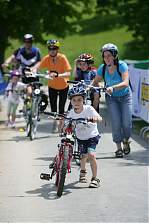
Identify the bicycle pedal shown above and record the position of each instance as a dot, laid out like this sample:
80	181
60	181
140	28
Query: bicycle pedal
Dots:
51	166
45	176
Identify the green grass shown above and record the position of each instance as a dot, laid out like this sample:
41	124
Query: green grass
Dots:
95	30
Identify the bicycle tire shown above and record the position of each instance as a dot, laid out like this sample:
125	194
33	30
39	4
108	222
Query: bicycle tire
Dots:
77	160
62	174
30	133
35	117
28	125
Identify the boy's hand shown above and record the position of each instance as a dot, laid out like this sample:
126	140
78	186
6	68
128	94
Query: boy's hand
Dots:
95	119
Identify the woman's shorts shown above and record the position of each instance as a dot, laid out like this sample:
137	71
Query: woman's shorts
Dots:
89	145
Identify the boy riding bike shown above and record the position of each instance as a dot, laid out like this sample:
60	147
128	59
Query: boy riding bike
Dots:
87	134
83	70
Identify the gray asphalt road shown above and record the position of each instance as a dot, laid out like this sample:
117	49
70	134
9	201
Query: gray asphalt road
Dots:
122	196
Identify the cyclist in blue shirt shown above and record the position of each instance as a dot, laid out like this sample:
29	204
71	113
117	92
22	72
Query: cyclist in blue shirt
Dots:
26	56
83	70
118	97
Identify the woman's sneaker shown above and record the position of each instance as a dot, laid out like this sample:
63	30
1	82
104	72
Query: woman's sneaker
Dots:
126	147
95	183
119	153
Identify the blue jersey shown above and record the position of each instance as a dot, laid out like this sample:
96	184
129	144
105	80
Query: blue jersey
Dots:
87	76
27	58
115	78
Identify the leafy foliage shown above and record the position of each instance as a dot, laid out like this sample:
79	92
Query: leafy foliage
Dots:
134	14
18	17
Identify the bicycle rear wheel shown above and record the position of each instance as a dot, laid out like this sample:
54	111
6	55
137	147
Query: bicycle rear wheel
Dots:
61	175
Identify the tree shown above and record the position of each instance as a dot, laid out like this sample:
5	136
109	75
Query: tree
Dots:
135	16
59	17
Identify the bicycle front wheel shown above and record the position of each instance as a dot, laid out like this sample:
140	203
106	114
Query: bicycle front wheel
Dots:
30	128
61	175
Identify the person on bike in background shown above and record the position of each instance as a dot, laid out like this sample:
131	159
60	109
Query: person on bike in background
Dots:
83	70
119	97
59	69
87	134
24	58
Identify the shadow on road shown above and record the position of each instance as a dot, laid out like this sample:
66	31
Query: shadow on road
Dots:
49	192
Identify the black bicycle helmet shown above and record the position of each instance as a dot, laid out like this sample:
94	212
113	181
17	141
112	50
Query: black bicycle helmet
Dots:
110	47
53	43
77	90
28	38
86	57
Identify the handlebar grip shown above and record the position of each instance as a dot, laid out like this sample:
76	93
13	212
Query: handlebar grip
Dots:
73	82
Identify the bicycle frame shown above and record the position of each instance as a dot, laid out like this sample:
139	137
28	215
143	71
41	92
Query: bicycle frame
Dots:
32	112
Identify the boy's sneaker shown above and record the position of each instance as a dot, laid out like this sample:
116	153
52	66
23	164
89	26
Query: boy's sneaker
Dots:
82	178
95	183
126	147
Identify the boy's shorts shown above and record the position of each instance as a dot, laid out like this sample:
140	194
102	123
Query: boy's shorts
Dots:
89	145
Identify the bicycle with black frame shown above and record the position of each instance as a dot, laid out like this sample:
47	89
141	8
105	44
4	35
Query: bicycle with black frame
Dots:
34	104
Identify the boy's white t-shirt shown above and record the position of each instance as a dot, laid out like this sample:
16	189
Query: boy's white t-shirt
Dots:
14	91
85	131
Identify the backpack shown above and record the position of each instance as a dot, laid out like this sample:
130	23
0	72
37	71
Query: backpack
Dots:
103	74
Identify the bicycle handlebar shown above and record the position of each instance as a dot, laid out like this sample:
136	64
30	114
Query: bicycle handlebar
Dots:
42	75
57	115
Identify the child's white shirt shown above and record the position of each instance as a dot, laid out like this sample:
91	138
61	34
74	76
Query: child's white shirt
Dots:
85	131
14	91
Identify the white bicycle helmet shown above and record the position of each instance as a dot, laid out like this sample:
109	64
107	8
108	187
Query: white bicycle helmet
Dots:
110	47
28	37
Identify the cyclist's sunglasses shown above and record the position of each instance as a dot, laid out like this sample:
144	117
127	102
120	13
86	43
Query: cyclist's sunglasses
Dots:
52	48
28	41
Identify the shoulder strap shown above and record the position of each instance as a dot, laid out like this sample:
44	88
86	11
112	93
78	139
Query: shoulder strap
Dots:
118	69
103	73
121	75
